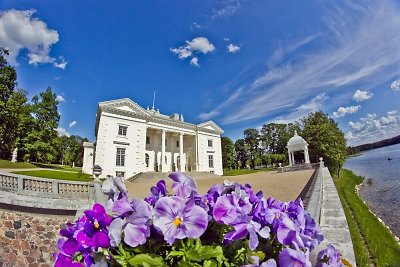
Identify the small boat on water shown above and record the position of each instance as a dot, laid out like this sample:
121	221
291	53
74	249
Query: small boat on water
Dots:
389	158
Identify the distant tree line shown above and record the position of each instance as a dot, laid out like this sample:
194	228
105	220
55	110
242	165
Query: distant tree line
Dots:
267	146
30	126
387	142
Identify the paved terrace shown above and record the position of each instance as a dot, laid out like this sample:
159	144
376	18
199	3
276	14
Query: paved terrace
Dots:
283	186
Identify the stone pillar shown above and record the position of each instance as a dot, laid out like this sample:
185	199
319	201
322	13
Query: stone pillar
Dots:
306	156
181	163
293	161
163	165
290	158
197	152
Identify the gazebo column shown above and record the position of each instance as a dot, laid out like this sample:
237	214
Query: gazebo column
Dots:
290	158
293	161
306	156
163	165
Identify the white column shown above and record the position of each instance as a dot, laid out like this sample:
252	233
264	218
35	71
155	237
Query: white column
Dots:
307	156
293	161
197	152
181	162
163	165
290	158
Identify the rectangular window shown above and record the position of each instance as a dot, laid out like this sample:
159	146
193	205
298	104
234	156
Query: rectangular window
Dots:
210	143
120	161
122	130
120	174
211	161
177	143
147	140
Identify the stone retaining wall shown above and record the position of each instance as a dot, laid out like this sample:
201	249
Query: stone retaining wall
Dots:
29	239
326	208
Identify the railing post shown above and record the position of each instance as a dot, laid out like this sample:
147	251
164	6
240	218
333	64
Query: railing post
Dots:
20	183
54	187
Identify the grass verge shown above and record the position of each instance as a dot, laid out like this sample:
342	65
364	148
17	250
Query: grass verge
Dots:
57	167
71	176
372	241
6	164
235	172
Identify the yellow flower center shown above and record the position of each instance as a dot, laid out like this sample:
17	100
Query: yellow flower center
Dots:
96	224
277	215
177	221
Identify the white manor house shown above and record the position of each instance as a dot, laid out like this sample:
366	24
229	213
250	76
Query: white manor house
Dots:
131	140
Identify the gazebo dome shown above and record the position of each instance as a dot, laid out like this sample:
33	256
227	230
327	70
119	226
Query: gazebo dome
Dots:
297	141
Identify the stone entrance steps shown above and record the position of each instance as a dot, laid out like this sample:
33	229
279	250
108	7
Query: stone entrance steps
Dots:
164	175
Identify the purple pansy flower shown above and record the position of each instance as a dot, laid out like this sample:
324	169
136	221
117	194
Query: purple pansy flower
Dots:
296	258
248	227
178	218
114	188
134	222
329	257
183	186
158	191
256	263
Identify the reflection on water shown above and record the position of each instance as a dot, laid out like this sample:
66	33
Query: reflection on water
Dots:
382	192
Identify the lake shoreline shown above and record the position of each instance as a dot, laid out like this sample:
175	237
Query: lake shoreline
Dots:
372	209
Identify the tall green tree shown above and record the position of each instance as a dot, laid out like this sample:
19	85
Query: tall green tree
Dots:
241	152
12	102
228	152
325	140
252	139
40	143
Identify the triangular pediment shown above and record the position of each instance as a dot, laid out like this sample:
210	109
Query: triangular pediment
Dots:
210	125
125	105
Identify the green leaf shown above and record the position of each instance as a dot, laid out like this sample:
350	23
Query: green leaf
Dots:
210	263
147	260
208	252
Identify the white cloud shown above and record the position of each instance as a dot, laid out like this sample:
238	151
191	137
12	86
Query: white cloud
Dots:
342	111
60	98
373	128
195	26
227	8
360	96
395	86
62	131
232	48
72	124
196	46
359	48
19	30
194	62
303	110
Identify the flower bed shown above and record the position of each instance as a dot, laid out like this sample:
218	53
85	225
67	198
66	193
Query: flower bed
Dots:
231	225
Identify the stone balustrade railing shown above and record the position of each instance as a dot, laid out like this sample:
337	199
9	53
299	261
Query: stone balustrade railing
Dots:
298	167
36	192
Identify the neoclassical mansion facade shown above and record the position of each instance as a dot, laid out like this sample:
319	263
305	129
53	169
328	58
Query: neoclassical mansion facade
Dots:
131	139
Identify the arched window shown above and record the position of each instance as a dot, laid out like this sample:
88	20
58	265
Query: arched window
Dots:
146	159
178	160
166	161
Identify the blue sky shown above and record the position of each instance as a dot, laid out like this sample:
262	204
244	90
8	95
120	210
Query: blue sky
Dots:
238	63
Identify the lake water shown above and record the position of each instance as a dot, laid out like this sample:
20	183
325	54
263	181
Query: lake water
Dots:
383	192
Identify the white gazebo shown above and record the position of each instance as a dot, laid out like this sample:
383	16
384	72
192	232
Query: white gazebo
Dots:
297	143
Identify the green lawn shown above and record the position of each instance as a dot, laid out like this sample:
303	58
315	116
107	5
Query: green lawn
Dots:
378	241
6	164
235	172
71	176
57	167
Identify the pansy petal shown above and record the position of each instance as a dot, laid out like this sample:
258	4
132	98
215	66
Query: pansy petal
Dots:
115	232
121	206
135	235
